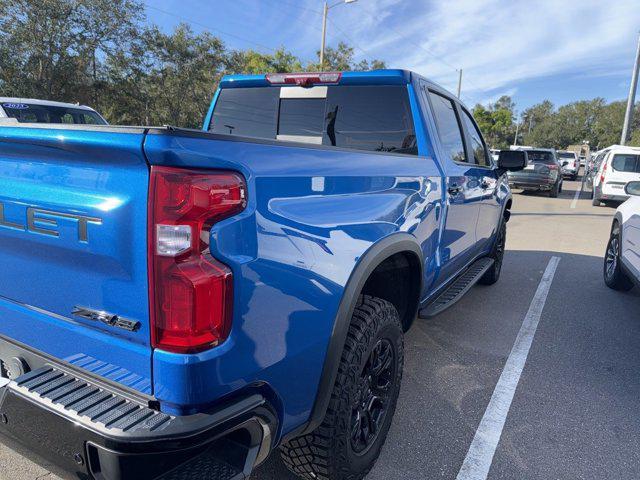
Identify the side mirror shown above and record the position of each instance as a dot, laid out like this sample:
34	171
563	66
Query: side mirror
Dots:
565	163
512	160
632	188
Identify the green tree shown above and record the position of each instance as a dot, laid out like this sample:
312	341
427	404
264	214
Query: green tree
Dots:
497	121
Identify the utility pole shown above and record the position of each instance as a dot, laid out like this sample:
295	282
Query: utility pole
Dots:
515	138
632	98
459	82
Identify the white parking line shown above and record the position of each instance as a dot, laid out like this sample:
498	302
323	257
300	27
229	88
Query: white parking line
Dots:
478	461
577	195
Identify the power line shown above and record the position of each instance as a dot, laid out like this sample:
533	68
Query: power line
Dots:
207	27
351	41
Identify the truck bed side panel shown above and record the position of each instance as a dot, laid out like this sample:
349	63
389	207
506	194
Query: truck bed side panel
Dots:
311	215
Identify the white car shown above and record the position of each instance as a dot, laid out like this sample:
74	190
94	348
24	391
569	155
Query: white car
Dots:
622	259
570	163
618	166
30	110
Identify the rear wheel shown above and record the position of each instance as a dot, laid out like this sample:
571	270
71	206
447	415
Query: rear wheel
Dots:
493	274
614	276
347	443
555	190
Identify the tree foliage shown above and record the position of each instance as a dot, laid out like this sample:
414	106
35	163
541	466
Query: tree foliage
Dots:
542	125
103	53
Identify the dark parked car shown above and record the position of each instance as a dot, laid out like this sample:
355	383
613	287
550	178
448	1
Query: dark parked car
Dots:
543	173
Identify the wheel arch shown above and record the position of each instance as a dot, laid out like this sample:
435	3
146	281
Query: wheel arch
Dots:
396	246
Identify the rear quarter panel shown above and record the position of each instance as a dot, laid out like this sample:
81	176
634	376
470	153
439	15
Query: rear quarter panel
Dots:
312	213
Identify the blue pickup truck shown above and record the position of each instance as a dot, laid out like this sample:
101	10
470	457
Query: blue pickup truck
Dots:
180	303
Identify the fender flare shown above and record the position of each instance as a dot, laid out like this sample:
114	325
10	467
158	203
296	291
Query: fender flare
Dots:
506	215
395	243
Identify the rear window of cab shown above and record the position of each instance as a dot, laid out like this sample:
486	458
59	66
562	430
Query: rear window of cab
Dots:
372	118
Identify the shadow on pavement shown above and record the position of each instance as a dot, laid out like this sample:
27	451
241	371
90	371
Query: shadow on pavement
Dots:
578	397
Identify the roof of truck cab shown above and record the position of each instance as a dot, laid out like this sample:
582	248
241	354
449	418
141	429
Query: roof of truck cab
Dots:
373	77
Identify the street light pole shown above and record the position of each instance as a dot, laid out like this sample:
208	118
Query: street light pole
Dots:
325	13
632	98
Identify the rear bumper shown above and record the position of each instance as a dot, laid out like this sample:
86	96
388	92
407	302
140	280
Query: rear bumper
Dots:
531	181
527	184
91	431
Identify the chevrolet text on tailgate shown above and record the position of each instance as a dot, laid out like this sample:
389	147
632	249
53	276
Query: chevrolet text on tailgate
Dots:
176	300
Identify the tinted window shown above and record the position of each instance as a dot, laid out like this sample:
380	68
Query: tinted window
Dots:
566	155
249	112
374	118
479	151
301	116
626	163
536	156
448	127
32	113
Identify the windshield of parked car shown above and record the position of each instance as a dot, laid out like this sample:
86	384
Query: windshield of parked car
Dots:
537	156
626	163
375	118
34	113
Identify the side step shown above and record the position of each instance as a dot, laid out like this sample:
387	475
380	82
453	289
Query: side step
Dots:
457	289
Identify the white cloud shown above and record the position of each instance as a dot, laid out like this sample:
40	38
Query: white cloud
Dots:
499	44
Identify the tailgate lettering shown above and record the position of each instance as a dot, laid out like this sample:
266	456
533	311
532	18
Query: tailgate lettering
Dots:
45	222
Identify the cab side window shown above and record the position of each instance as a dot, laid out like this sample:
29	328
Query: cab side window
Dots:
480	155
449	131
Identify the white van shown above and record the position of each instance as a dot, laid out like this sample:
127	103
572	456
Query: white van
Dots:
619	166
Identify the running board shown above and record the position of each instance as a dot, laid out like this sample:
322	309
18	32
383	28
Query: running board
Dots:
457	289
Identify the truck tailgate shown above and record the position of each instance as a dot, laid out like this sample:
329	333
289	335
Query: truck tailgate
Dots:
73	248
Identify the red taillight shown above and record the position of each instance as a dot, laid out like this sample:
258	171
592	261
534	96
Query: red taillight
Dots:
303	79
604	170
553	167
190	292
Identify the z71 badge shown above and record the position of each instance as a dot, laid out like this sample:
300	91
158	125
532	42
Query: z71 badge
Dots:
107	318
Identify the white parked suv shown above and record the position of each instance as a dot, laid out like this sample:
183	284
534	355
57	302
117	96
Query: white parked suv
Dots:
622	259
30	110
619	166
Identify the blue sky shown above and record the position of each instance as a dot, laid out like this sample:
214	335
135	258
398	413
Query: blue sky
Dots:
561	50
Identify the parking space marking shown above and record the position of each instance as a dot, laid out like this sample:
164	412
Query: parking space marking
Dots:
577	195
478	461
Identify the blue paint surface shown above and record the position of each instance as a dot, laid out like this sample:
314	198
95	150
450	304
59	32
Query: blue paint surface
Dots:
312	214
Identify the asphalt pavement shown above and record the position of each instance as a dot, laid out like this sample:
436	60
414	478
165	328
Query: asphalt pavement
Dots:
574	414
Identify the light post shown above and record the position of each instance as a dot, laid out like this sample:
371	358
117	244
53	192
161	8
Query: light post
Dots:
325	12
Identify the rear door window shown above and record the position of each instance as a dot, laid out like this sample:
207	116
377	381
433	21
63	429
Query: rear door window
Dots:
373	118
449	131
477	144
626	163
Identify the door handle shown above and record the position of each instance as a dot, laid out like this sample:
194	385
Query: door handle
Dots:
454	189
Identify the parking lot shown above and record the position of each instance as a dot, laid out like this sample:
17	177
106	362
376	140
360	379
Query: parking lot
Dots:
575	411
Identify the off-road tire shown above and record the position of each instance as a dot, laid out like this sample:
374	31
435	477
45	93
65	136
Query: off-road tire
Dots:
492	275
327	452
614	276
